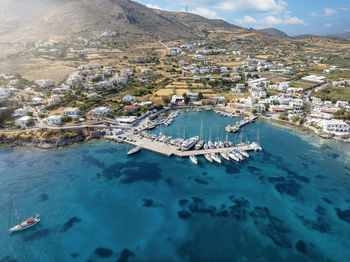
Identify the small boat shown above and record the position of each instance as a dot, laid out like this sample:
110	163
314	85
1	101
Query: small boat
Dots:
32	221
194	160
205	146
208	157
225	156
244	153
233	157
216	158
221	144
199	145
134	150
238	154
211	145
216	144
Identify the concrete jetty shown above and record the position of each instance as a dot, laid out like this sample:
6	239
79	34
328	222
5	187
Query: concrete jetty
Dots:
170	150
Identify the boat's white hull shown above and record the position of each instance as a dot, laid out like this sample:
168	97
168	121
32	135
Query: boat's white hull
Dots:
24	225
216	158
233	157
225	156
194	160
208	157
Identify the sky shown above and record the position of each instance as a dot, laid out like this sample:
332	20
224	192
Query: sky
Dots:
319	17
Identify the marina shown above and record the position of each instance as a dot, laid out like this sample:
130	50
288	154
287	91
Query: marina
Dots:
191	147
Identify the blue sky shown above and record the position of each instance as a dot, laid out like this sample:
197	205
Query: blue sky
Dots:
294	17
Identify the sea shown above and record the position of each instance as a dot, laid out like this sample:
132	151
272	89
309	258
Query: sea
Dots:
289	202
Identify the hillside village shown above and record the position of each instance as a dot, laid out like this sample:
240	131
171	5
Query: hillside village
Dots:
284	80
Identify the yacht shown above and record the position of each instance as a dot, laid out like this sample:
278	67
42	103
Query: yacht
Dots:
221	144
225	156
244	153
194	160
216	158
208	157
238	154
199	145
134	150
32	221
233	156
189	143
216	144
205	146
211	145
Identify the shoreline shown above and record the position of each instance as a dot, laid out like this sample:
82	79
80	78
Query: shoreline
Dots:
65	137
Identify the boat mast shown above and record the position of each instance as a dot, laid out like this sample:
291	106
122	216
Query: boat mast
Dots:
210	135
258	140
201	135
10	215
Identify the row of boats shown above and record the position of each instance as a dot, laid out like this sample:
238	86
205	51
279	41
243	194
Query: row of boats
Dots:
225	114
170	119
235	128
235	155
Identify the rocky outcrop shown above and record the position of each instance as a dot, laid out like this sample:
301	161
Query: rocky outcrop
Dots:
51	140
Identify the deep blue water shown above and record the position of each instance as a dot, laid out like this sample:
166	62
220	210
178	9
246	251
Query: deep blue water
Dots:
290	202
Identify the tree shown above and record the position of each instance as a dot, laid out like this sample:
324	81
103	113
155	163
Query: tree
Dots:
166	99
200	96
66	119
254	111
186	99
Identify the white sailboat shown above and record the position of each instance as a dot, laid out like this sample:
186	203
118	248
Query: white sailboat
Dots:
193	159
208	157
225	156
22	225
244	153
216	158
134	150
233	156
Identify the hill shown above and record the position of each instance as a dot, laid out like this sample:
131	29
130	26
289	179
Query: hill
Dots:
47	19
274	32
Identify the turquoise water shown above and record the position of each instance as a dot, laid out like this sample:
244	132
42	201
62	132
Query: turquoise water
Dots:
290	202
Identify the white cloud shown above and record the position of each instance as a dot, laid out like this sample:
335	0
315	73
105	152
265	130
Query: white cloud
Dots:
155	7
263	6
246	20
206	13
328	25
329	12
271	21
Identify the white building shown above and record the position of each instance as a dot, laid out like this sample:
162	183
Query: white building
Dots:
72	112
22	122
44	82
342	104
37	100
5	92
20	112
177	99
104	111
54	120
334	126
296	104
129	98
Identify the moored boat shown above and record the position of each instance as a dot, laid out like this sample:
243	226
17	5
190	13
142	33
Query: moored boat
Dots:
134	150
225	156
233	156
208	157
193	159
216	158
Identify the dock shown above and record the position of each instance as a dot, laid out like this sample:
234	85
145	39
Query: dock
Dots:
170	150
235	128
